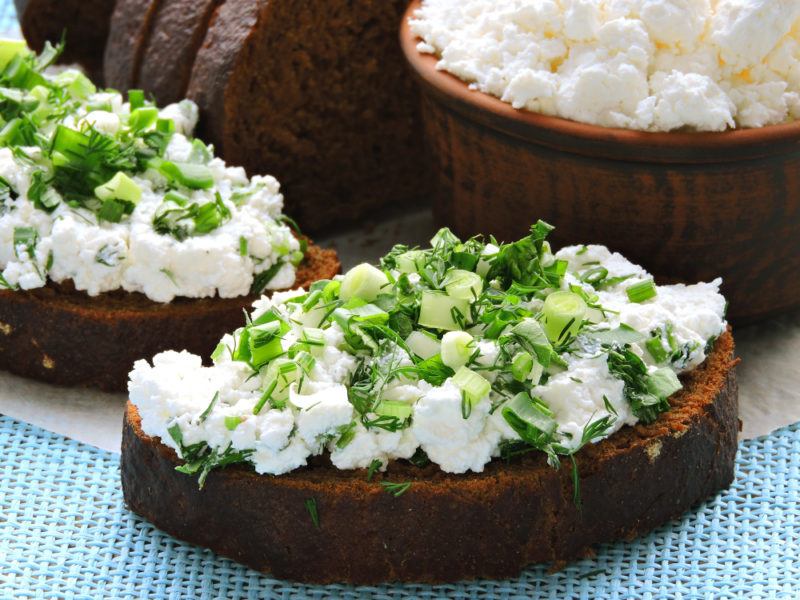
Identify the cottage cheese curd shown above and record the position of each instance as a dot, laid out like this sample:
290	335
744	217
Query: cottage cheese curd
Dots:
321	415
655	65
72	243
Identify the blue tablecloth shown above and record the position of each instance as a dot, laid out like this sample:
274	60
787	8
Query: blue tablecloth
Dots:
65	533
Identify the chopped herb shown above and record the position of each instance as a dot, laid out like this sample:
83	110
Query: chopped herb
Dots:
209	408
396	489
311	507
170	275
373	468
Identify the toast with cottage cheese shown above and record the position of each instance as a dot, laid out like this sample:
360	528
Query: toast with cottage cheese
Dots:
458	411
448	527
62	336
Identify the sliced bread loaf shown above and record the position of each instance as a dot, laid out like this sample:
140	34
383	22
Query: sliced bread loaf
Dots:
129	30
177	31
85	23
448	527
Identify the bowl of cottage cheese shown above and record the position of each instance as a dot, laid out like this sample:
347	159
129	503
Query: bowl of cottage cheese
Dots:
666	128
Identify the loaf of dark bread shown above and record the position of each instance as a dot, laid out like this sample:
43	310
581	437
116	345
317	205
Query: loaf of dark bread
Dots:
316	93
58	335
85	23
129	30
448	527
177	31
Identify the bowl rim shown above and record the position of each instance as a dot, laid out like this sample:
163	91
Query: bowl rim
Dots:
497	111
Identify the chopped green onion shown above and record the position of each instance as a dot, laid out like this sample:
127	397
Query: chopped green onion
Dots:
142	118
530	417
563	315
265	343
363	281
440	311
472	385
457	347
521	366
165	126
232	423
119	187
663	382
644	290
624	334
394	408
463	285
192	176
411	261
423	344
136	99
594	276
529	334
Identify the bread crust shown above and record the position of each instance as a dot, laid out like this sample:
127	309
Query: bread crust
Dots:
448	527
58	335
178	29
130	27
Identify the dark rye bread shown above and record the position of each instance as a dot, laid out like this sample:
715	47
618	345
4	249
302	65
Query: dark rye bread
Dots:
85	22
129	30
57	335
449	527
316	93
177	31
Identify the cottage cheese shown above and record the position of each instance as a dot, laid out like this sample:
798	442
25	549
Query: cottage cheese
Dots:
131	255
175	389
655	65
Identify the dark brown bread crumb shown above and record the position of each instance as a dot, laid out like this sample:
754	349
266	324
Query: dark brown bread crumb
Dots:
448	527
129	30
57	335
85	22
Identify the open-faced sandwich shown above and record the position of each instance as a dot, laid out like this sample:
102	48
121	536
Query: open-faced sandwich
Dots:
120	235
457	412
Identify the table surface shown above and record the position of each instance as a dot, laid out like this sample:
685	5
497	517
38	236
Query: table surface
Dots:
769	374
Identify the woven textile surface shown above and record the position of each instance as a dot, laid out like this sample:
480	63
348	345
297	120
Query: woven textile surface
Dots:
65	533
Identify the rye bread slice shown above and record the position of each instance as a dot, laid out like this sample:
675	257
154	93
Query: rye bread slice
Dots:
448	527
130	27
178	29
318	94
58	335
86	23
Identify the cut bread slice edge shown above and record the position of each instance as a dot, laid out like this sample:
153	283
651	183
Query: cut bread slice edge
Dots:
448	527
61	336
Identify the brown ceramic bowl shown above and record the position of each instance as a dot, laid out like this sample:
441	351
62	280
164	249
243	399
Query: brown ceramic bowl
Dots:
687	206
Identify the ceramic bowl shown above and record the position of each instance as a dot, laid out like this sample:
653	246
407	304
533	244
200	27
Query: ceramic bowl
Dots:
687	206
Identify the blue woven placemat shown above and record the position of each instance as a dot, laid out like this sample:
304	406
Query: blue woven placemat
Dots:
65	533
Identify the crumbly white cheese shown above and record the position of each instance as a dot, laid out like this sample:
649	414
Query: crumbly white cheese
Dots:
653	65
176	388
101	256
